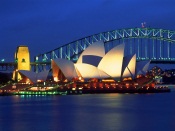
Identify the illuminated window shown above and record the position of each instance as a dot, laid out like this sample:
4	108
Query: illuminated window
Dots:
23	60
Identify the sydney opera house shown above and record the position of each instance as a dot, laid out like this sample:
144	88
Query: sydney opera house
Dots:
93	64
96	70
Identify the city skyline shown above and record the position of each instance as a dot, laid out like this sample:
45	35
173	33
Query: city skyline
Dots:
43	26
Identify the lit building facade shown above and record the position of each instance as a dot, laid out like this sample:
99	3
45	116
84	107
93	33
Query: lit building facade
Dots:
22	59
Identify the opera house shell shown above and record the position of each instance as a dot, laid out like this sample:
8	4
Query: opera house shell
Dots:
32	77
95	62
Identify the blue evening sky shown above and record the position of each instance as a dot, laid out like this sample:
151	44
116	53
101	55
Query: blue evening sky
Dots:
44	25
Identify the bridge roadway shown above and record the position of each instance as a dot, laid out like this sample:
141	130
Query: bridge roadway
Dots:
152	62
11	66
7	66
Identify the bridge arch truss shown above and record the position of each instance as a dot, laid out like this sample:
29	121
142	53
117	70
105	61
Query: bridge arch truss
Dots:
152	44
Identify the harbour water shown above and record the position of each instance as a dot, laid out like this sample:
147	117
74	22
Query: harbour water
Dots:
89	112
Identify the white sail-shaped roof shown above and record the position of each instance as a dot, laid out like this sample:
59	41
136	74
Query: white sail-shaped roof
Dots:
33	76
67	68
96	49
89	71
142	67
42	75
112	62
129	64
29	74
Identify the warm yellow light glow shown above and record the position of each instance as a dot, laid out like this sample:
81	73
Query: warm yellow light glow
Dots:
80	78
63	68
112	62
108	80
28	81
128	78
22	57
22	53
127	84
38	80
88	71
55	79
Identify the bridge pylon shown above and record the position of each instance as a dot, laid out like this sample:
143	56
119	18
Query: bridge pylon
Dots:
22	60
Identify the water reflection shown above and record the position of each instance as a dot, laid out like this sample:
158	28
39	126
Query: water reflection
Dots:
105	112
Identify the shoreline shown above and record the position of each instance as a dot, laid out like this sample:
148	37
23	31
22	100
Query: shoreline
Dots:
164	89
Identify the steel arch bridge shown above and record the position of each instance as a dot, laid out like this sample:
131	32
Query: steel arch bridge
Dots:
152	44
